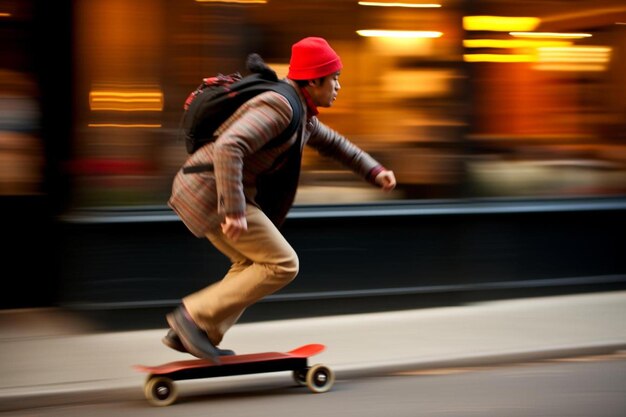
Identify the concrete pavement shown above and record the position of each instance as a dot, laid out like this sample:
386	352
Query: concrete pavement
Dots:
51	357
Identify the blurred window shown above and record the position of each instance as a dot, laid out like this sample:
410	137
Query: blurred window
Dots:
457	112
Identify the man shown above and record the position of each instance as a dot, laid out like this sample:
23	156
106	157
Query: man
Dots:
230	206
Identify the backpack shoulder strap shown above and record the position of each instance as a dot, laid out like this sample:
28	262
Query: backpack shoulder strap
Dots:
290	93
253	84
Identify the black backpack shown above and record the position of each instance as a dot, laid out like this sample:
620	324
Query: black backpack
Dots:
217	98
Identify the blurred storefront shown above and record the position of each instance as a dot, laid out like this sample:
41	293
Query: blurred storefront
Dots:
498	117
528	103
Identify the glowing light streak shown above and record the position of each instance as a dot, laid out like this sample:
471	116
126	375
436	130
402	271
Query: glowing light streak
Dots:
415	34
500	23
502	58
125	101
511	43
548	35
233	1
124	126
410	5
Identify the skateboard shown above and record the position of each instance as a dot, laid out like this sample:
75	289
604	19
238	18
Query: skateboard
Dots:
160	390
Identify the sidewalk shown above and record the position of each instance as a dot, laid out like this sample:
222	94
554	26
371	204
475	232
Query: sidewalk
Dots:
50	358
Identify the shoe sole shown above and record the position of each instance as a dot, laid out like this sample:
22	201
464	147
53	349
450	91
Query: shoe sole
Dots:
171	320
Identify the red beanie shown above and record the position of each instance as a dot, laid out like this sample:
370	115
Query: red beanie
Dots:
312	58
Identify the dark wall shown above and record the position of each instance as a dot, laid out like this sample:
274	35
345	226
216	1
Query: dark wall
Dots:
357	257
29	272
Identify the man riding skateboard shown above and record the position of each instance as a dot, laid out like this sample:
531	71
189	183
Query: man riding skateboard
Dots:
240	204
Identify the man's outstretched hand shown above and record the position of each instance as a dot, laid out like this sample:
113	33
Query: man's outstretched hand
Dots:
386	180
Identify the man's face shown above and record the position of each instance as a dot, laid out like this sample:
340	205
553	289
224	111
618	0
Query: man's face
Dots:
324	91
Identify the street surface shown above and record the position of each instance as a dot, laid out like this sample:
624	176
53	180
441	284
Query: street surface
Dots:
577	387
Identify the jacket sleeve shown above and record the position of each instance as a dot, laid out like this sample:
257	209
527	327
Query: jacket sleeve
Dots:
253	125
330	143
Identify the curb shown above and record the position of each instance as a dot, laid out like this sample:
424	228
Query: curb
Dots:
95	391
489	359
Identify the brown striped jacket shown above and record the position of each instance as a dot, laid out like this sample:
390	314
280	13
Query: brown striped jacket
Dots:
202	199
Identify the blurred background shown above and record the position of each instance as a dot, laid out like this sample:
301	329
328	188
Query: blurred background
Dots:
504	122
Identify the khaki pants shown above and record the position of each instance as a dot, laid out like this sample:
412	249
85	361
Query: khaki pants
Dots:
262	263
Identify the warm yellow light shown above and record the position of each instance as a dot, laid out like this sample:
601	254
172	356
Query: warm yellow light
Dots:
581	49
124	126
570	67
511	43
573	58
500	23
512	58
233	1
548	35
125	101
5	14
577	59
411	5
399	34
575	54
402	47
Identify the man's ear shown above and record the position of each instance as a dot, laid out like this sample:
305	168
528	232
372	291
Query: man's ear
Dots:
315	83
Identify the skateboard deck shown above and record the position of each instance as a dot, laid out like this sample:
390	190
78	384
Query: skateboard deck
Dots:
160	389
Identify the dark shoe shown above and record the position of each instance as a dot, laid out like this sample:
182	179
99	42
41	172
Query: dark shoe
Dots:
193	339
172	341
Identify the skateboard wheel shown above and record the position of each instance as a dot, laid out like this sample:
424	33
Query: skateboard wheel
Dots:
160	391
299	375
320	378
